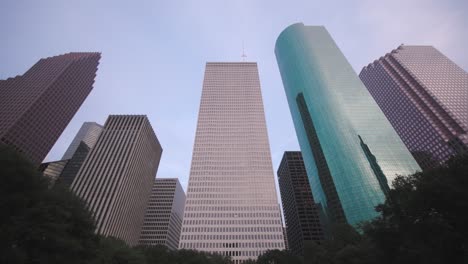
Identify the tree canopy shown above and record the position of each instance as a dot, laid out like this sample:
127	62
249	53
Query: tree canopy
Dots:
40	225
423	220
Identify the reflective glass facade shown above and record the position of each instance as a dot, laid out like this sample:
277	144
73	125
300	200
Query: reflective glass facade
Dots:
350	150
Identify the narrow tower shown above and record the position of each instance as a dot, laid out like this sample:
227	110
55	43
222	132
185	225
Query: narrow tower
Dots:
88	134
300	211
232	207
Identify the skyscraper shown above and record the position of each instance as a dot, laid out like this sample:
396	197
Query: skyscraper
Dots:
74	164
232	207
164	213
116	177
300	211
424	95
52	170
36	107
350	150
88	133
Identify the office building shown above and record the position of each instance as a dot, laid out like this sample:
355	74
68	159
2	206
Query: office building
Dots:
52	170
299	209
350	150
117	175
424	95
164	213
88	133
74	164
285	236
36	107
232	207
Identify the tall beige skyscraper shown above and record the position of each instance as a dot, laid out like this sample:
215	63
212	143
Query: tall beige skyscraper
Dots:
232	207
116	177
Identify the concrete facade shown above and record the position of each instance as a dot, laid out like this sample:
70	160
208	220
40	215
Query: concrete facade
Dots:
232	207
164	213
116	177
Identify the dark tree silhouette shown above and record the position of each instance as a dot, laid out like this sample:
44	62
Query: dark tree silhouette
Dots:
38	224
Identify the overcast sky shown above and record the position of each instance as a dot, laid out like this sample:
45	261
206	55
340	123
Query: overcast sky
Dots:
154	53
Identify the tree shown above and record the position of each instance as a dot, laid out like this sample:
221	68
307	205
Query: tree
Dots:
197	257
115	251
161	255
346	245
278	257
424	218
40	225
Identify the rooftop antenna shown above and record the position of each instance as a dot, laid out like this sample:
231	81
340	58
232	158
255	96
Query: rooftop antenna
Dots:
243	56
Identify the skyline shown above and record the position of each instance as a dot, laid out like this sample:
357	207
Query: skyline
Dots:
128	68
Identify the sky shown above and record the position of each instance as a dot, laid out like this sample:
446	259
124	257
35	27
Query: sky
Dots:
154	53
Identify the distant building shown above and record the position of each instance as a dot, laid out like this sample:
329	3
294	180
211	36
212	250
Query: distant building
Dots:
424	95
232	208
350	150
74	164
164	213
88	133
53	169
116	177
299	209
36	107
285	235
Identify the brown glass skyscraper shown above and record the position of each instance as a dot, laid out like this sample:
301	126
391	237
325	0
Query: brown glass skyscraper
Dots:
424	95
300	211
36	107
116	177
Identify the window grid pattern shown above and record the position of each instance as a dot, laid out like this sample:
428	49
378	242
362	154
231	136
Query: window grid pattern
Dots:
232	207
424	95
343	112
88	133
116	177
36	107
164	213
300	211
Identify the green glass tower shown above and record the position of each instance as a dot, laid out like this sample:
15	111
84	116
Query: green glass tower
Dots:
350	150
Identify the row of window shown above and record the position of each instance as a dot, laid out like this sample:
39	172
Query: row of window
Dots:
218	222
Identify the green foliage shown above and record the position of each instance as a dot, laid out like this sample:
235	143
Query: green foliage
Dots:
345	246
278	257
161	255
424	219
43	225
40	225
115	251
